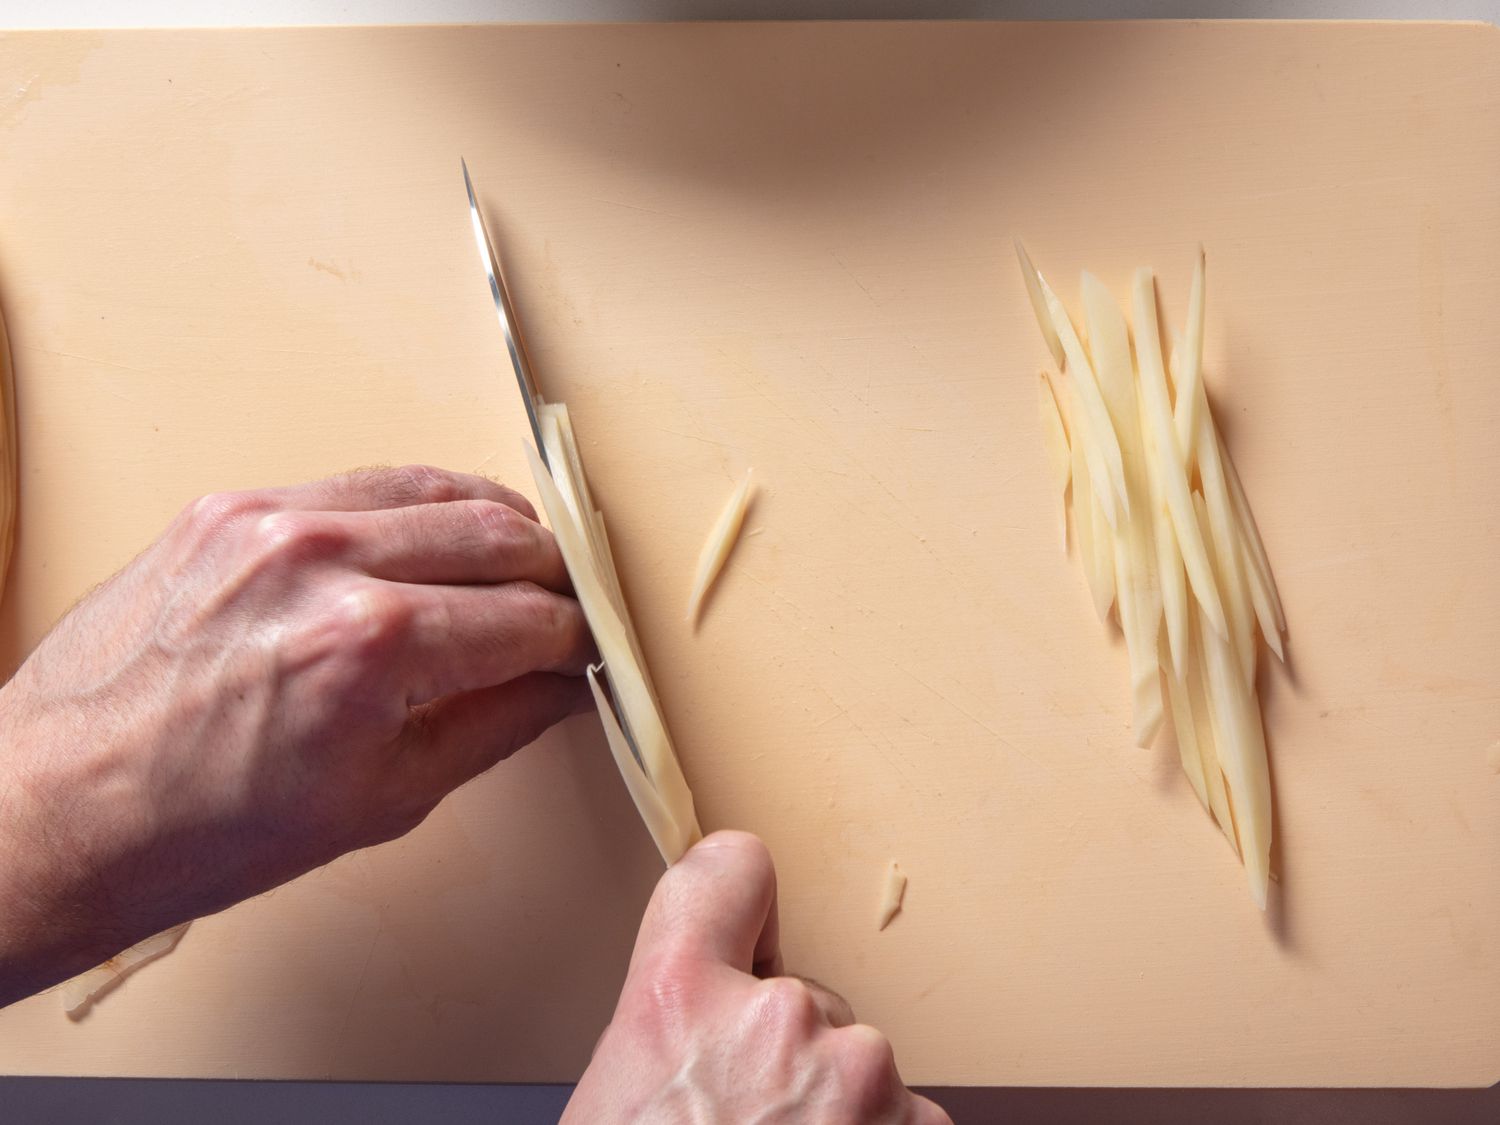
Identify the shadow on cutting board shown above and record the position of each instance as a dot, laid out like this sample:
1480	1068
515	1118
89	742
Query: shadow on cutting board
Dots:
499	930
724	108
12	648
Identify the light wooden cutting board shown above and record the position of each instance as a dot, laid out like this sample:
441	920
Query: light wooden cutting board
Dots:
237	258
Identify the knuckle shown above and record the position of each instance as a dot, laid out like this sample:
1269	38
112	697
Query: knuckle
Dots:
787	1003
296	537
217	511
532	597
418	484
496	524
872	1048
571	626
868	1066
341	649
520	504
661	995
667	979
369	617
336	634
550	615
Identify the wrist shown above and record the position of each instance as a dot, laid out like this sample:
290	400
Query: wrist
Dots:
55	916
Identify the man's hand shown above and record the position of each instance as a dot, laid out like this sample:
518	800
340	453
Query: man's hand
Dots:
706	1029
283	676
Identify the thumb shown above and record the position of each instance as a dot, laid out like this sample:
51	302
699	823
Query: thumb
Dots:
717	903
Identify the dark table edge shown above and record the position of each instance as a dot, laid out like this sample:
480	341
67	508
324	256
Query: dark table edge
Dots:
31	1100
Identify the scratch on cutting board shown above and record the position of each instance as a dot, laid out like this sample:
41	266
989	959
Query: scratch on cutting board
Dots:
178	383
1494	756
951	703
865	289
830	440
887	750
635	207
973	718
692	437
826	719
800	618
359	982
87	359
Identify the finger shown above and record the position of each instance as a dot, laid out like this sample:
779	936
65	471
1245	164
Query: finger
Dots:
456	543
925	1111
862	1042
833	1007
365	490
453	740
451	639
717	903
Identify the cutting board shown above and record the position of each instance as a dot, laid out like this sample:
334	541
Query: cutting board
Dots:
240	258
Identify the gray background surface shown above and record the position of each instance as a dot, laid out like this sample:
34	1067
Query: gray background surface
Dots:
63	1101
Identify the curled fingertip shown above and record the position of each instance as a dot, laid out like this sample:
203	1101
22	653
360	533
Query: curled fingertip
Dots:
925	1111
